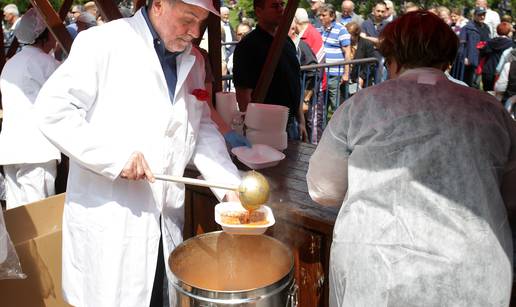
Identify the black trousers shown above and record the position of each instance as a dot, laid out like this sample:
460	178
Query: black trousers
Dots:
159	277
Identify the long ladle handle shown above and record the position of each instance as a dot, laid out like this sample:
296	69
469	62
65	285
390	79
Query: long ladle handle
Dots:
197	182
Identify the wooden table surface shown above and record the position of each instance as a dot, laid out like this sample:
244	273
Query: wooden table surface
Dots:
289	191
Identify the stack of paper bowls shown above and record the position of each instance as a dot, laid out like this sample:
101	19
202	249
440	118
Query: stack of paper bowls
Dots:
226	105
267	124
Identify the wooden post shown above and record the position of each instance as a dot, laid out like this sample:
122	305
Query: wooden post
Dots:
65	7
214	46
108	10
137	4
274	53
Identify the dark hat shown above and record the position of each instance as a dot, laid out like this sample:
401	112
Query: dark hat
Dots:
480	10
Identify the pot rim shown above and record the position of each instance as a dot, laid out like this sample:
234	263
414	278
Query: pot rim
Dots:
235	296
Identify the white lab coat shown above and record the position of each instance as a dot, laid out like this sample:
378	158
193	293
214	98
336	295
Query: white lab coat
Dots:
21	80
107	100
423	222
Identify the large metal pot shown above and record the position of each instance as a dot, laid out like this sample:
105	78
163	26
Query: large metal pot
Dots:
220	269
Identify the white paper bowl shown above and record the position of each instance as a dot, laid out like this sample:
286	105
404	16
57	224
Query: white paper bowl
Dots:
277	140
259	156
266	117
243	229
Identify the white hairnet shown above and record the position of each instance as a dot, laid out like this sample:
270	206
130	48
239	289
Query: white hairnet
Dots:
205	4
30	26
11	9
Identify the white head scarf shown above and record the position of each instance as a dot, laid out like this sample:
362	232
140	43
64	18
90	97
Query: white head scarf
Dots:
30	26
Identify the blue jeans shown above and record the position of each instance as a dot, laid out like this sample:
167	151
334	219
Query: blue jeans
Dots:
293	129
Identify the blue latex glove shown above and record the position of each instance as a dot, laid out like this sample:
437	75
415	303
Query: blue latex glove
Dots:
236	140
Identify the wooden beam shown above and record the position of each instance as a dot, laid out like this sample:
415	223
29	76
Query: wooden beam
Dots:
274	53
65	7
108	9
214	48
2	54
137	4
54	24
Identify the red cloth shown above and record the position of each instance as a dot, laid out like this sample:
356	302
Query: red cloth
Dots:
313	39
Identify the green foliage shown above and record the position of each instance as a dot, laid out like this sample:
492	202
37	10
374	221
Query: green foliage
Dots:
23	5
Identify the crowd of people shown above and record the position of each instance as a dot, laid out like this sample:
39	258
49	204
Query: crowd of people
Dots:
336	35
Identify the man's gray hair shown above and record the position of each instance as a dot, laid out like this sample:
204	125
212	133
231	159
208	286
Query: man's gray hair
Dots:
327	7
11	9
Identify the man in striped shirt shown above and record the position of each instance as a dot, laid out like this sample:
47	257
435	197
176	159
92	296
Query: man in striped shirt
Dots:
337	43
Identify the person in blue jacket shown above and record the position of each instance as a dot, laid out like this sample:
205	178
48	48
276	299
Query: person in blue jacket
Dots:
474	32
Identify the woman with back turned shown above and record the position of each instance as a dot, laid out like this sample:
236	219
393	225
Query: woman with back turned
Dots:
422	169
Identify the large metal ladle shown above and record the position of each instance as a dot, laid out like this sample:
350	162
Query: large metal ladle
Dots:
253	191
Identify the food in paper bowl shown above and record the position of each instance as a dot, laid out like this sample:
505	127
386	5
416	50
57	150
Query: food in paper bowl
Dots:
245	217
235	219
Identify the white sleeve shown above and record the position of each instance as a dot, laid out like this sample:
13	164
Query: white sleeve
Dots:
327	176
501	83
211	155
503	60
64	103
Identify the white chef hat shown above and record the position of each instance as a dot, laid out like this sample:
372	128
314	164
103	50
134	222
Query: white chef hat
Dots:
11	9
205	4
29	27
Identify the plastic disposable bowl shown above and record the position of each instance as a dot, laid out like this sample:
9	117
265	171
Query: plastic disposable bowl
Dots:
259	156
266	117
278	140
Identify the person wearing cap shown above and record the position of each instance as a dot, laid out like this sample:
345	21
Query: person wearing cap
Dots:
11	17
28	158
119	125
423	171
492	19
474	32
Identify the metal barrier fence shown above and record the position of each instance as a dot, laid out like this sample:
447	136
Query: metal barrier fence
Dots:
322	92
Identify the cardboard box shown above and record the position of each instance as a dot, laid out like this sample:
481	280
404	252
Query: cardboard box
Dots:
35	230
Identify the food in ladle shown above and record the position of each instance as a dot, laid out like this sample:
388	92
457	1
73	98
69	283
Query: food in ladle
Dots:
244	217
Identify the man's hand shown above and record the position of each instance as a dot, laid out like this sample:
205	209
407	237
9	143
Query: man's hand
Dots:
137	168
345	78
303	134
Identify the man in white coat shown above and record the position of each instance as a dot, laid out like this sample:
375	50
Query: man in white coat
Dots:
127	103
28	158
